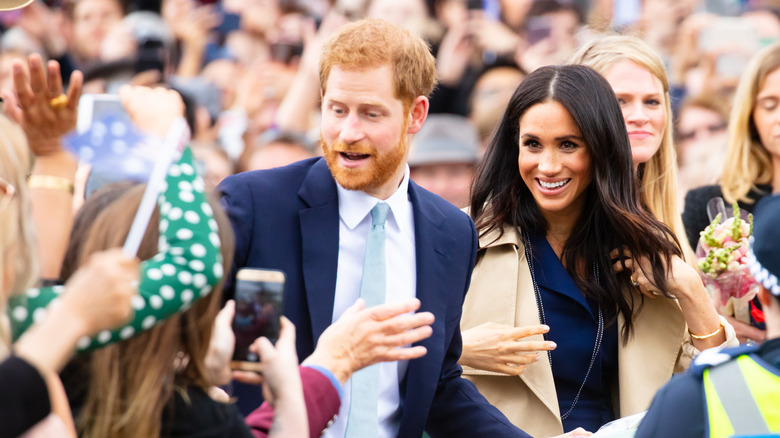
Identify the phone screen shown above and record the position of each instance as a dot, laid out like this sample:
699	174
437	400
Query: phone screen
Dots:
94	107
258	309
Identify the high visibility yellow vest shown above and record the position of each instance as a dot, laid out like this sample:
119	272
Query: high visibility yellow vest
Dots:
743	398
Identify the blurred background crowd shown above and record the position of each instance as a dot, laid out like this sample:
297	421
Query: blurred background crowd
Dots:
247	69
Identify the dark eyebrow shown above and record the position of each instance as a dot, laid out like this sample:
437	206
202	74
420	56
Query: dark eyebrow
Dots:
565	137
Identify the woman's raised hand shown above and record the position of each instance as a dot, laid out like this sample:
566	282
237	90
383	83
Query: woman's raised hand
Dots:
500	348
681	278
684	284
39	104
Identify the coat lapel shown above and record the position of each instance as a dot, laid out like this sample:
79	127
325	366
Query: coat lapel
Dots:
537	376
512	302
649	359
320	244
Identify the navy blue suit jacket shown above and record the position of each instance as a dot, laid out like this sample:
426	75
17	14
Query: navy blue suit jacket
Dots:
288	219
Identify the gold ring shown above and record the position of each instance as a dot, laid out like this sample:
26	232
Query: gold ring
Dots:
634	282
59	101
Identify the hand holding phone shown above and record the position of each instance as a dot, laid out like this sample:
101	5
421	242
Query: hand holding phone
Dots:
258	311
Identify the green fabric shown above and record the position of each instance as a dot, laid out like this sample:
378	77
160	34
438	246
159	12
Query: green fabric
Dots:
187	267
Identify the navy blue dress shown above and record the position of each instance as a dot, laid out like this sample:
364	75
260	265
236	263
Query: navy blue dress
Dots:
573	322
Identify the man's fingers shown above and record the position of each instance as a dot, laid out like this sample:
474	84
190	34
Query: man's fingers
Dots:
408	353
390	310
405	322
359	305
407	337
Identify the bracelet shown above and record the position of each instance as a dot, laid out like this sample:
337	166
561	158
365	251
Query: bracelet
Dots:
709	335
50	182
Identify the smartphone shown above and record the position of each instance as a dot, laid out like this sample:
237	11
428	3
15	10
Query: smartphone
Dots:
285	53
258	311
94	107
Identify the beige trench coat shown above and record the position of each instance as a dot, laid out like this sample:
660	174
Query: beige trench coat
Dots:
502	292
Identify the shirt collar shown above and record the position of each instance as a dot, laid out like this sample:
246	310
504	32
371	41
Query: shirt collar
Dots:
355	205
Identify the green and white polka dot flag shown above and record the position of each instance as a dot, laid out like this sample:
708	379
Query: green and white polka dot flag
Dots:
187	267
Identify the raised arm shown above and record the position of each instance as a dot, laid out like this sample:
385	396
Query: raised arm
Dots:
45	113
187	267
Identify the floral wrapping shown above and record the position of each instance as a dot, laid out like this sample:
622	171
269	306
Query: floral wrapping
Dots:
187	267
721	255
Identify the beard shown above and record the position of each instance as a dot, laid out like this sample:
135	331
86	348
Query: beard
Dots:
379	169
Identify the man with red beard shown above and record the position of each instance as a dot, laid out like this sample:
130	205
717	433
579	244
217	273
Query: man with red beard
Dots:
316	220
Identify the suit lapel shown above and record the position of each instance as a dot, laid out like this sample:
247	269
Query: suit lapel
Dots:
320	244
432	254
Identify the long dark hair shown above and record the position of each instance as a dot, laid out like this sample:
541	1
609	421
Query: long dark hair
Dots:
612	219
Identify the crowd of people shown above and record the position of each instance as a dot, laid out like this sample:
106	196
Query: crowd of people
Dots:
487	214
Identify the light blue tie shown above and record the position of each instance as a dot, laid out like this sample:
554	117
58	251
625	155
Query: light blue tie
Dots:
362	421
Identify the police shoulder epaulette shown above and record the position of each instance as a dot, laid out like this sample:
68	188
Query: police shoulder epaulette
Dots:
713	357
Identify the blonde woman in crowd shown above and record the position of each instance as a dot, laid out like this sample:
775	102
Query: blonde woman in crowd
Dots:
752	168
131	383
637	75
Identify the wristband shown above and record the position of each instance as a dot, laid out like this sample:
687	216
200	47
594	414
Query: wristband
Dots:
50	182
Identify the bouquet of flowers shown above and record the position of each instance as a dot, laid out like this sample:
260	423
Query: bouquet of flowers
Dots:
721	258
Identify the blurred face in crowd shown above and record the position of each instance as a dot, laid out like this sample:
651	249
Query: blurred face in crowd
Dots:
766	115
451	181
514	12
451	12
563	29
700	126
364	130
92	19
409	14
553	160
216	165
277	154
490	97
641	98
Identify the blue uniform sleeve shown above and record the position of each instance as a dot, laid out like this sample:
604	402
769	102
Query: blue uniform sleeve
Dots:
678	409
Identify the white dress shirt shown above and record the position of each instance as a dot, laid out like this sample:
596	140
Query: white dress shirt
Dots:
354	226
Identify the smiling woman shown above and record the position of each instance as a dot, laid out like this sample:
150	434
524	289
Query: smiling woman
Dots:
553	160
556	206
